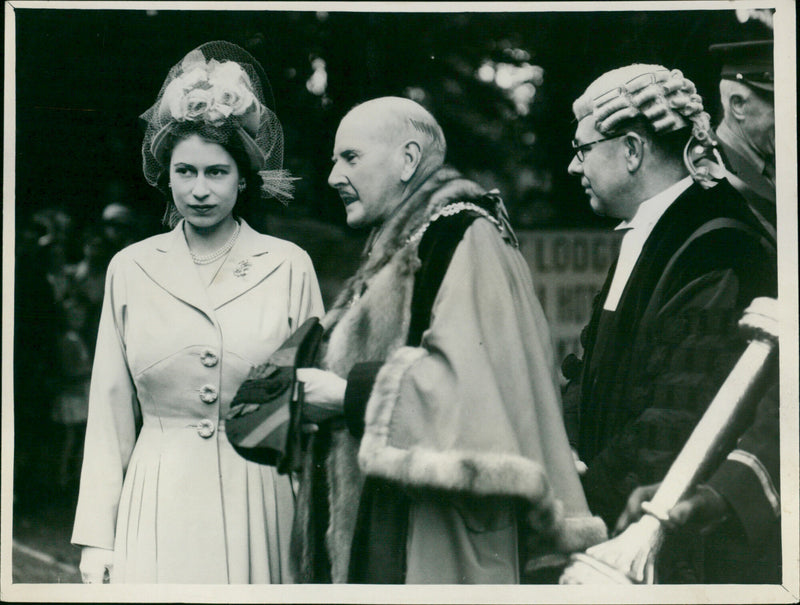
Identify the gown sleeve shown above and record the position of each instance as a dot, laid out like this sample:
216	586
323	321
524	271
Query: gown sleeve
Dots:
749	478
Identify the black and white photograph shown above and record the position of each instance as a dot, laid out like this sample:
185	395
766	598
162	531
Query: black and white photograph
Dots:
402	302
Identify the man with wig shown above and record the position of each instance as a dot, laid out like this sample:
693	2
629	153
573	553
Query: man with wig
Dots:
743	502
447	460
662	336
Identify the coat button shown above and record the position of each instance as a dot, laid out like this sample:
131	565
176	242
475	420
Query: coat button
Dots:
205	428
208	358
208	393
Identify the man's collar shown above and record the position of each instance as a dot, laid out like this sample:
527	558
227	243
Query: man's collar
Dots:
650	210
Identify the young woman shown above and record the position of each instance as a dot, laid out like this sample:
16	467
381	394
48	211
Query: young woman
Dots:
164	498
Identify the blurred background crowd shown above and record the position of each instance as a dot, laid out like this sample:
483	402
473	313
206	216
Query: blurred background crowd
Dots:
501	85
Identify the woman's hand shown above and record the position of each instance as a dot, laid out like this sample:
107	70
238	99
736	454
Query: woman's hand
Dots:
96	565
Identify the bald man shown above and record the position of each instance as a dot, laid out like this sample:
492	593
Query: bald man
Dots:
447	460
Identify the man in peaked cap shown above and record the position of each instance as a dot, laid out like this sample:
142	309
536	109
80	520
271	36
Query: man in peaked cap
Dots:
746	134
662	336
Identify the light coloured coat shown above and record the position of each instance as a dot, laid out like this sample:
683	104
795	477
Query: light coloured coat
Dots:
172	498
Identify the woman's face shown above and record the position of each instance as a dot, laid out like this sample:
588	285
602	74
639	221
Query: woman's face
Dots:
204	179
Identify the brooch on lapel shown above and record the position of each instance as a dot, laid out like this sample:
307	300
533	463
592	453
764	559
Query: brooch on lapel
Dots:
242	268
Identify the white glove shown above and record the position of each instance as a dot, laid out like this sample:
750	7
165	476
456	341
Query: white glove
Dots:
323	393
96	565
322	388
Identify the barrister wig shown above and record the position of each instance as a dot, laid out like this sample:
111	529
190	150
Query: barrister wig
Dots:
664	100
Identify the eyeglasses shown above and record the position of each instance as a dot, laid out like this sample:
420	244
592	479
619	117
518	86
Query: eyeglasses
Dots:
580	150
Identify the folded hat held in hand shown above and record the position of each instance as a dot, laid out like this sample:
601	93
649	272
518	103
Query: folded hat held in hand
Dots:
263	424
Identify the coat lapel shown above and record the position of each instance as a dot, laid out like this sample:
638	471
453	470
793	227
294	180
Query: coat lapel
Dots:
249	263
169	264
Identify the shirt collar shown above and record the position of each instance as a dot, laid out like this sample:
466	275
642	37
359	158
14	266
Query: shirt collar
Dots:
649	211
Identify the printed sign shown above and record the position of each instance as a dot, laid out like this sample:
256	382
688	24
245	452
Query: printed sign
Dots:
568	269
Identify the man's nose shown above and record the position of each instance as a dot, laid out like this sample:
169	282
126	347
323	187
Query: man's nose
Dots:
575	167
335	178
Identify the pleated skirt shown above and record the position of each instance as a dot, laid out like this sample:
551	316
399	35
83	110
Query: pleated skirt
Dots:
193	511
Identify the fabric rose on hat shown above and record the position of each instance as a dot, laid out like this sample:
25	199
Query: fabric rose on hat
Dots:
194	76
233	94
211	91
195	104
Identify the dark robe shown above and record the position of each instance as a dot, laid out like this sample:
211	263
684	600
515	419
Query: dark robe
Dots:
652	366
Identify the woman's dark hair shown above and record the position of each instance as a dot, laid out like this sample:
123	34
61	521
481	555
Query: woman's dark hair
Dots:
227	137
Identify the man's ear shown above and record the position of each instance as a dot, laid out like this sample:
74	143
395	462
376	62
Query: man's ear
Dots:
737	106
634	151
412	156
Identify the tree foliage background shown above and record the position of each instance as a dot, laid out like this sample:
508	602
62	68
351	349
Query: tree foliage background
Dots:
501	84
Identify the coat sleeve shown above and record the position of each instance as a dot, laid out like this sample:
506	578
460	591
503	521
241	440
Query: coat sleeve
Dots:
305	299
111	425
749	478
476	409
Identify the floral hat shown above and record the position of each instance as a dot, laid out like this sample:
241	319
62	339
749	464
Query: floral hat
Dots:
224	86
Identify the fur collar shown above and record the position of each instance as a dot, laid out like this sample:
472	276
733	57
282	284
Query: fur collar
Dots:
444	186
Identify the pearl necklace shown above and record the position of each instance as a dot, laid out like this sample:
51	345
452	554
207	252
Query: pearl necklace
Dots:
207	259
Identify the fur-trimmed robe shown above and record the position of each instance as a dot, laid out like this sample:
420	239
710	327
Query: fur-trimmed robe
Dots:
473	413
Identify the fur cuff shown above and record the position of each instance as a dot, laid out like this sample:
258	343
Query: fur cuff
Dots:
579	533
473	472
387	386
